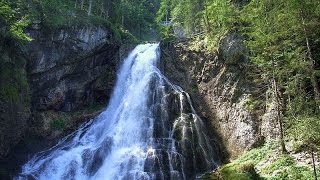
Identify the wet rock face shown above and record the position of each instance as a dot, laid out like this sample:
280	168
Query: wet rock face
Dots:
69	69
14	96
223	91
13	123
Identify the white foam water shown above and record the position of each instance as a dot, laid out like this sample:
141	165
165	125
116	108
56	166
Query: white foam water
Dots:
149	130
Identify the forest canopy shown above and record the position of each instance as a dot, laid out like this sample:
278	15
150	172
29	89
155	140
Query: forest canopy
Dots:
125	17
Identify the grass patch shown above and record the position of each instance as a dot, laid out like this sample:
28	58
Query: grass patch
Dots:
286	168
273	166
283	162
258	154
234	171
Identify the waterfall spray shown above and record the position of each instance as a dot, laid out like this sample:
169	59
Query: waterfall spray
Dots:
149	130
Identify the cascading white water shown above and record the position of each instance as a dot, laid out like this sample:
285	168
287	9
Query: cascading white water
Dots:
148	131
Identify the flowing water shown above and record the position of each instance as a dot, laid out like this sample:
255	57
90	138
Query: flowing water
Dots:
149	130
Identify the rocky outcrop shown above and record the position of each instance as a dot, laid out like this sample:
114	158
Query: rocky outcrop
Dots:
69	69
13	123
70	74
14	96
224	90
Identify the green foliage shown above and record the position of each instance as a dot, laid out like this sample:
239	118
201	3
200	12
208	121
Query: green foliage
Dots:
286	168
250	103
167	34
13	23
258	154
243	168
16	30
283	44
282	162
239	171
124	17
58	124
272	166
9	92
306	130
58	13
212	18
13	81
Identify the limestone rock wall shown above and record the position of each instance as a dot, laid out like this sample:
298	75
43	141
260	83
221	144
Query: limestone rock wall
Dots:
67	72
224	91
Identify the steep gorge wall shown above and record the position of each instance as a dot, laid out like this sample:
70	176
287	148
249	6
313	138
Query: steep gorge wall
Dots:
224	91
66	71
69	70
66	67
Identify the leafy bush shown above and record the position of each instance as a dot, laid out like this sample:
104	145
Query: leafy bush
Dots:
13	23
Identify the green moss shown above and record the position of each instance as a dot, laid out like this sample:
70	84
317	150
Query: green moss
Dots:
235	171
232	171
284	167
13	81
282	162
209	176
243	167
63	119
58	124
250	103
9	92
258	154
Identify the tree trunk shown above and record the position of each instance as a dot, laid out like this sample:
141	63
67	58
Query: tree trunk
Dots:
279	119
90	8
107	9
122	14
313	77
314	165
102	10
82	4
75	4
140	32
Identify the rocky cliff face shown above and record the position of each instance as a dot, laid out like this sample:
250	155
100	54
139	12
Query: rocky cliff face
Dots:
68	71
14	98
224	90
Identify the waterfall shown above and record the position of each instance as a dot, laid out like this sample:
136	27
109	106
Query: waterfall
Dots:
149	130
